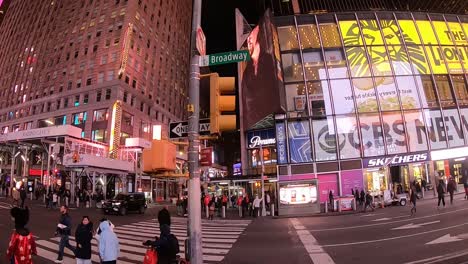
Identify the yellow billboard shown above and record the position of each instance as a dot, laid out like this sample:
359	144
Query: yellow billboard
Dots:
445	46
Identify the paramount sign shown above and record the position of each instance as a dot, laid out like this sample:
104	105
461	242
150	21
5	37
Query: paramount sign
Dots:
396	160
256	141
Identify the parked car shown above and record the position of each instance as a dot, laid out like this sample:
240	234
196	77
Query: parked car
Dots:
123	203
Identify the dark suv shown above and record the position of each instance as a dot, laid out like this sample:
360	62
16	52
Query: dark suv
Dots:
122	203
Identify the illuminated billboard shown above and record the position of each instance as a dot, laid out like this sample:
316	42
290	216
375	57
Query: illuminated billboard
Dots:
444	47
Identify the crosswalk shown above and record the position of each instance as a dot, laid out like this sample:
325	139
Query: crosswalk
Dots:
4	205
218	238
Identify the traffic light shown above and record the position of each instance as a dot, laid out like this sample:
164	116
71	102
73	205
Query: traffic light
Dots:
222	103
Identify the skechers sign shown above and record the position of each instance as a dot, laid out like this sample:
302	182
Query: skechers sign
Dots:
395	160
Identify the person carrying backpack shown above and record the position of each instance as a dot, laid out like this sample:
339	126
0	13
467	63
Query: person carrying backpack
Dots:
167	246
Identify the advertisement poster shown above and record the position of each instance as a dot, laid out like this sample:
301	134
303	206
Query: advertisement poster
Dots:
261	79
298	194
351	180
327	183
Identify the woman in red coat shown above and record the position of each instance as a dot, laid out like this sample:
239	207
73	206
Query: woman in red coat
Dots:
22	245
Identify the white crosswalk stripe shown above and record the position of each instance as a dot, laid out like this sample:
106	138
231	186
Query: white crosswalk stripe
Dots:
218	238
4	205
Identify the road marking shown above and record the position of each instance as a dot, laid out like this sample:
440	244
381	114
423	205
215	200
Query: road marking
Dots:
394	238
382	219
412	226
316	252
441	258
368	215
386	223
218	239
448	238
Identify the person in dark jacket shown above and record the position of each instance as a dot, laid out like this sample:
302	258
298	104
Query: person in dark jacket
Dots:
331	201
164	217
413	198
363	197
368	202
83	237
23	195
64	230
451	187
164	245
441	193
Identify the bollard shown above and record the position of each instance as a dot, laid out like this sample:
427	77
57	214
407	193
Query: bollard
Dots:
326	207
77	202
423	193
354	205
207	211
66	201
87	204
339	207
224	212
272	206
240	211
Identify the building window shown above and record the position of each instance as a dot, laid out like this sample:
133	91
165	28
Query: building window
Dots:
77	100
80	118
85	99
15	128
28	125
99	135
103	59
125	97
98	96
60	120
89	81
78	83
110	75
127	119
100	77
100	115
108	94
134	83
127	79
65	103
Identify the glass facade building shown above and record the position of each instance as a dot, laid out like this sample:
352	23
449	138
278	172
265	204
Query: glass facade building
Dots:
372	94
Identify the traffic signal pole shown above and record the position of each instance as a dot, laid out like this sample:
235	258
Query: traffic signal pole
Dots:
194	217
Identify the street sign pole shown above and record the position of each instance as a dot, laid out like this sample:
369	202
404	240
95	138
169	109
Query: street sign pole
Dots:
194	230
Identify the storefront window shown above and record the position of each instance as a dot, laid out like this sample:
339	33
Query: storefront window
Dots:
314	66
292	67
358	63
435	128
324	139
454	130
387	94
288	38
460	89
428	93
408	92
99	135
127	119
376	180
336	64
445	93
342	96
80	118
348	137
309	36
300	148
320	98
330	35
380	62
269	156
416	131
394	129
365	95
100	115
372	138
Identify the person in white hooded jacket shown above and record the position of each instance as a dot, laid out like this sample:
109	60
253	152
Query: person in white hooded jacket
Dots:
108	244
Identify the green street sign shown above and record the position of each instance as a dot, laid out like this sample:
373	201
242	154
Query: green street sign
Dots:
224	58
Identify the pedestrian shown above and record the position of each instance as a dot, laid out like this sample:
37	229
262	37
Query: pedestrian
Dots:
108	244
16	196
64	230
167	246
465	185
164	217
424	184
440	193
83	237
363	197
331	200
211	207
267	201
54	200
368	202
451	187
23	195
256	205
245	205
413	198
356	196
22	244
98	230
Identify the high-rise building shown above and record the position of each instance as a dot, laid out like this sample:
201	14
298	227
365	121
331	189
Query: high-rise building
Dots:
375	99
109	67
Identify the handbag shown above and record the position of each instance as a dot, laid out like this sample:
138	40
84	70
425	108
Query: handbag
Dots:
151	257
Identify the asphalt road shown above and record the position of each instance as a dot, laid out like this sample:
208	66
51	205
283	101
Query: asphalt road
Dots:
389	235
392	235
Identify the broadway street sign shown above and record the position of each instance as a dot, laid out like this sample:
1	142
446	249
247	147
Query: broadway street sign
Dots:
179	129
224	58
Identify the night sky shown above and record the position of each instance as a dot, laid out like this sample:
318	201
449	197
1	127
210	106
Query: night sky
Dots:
218	23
